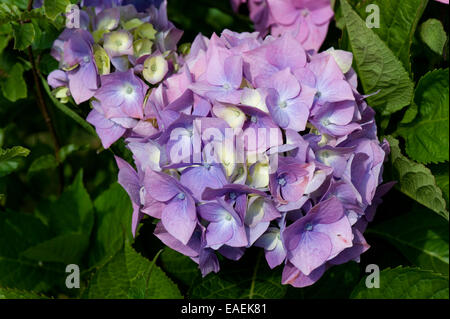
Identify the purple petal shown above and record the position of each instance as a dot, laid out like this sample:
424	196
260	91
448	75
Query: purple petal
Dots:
212	212
255	232
233	253
293	276
162	187
239	238
198	178
284	82
179	218
136	218
327	212
359	246
283	11
219	233
173	243
276	256
208	261
129	179
57	78
312	252
233	70
83	82
107	130
340	234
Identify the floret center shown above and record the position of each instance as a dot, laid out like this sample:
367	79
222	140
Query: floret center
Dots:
129	90
282	181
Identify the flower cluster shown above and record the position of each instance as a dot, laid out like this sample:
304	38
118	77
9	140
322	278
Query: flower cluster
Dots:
120	48
241	142
306	20
258	143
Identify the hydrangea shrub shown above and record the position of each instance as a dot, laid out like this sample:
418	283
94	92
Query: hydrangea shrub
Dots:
255	161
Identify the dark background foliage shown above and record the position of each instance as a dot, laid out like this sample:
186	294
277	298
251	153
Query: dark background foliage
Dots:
60	203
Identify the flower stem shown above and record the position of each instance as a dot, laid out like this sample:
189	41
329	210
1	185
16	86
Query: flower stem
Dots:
43	107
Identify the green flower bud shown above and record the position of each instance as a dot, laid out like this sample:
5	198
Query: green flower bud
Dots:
142	47
184	48
132	24
102	60
146	31
107	24
118	43
98	35
155	68
62	94
232	115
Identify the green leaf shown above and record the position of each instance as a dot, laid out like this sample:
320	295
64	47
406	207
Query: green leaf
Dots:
405	283
23	35
398	23
442	180
70	220
433	34
68	150
53	8
179	266
43	163
11	153
38	15
4	40
72	211
10	166
345	276
410	114
22	4
67	249
256	281
416	180
18	232
46	34
10	159
8	13
218	19
377	67
47	64
14	87
6	293
129	275
419	235
427	138
66	110
33	255
112	223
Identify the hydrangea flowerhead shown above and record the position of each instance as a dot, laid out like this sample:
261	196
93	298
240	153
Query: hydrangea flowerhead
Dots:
242	141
